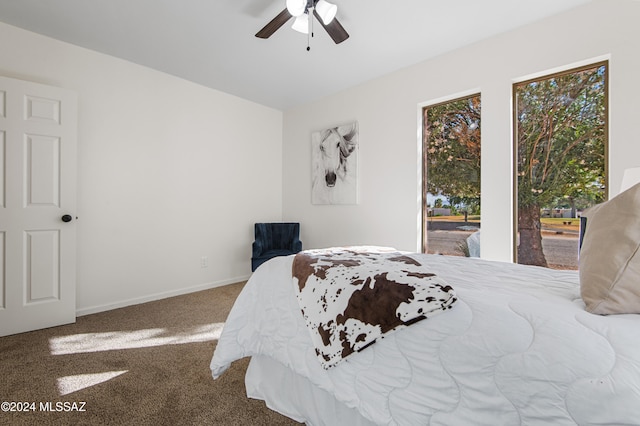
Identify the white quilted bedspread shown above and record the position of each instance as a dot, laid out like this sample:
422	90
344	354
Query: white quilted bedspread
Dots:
517	348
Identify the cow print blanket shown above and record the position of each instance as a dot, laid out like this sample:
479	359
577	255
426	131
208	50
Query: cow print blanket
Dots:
350	297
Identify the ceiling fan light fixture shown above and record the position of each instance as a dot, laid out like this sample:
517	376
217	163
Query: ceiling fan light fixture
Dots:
326	10
301	24
296	7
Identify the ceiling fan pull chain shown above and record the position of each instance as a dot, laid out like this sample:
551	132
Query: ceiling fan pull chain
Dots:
310	32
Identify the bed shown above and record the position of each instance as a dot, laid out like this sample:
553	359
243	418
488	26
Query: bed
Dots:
518	346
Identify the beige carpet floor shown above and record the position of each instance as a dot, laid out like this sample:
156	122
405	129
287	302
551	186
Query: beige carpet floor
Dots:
146	364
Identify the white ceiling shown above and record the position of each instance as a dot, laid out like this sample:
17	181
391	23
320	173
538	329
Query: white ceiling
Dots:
211	42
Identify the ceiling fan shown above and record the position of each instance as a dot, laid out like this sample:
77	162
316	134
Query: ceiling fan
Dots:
302	9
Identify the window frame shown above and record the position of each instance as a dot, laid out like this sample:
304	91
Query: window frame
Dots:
514	122
424	144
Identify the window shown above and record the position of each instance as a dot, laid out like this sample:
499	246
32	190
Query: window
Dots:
560	124
451	175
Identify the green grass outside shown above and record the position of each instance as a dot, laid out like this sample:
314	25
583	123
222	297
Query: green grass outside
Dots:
561	223
548	223
458	218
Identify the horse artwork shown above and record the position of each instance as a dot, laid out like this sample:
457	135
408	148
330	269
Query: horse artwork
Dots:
335	165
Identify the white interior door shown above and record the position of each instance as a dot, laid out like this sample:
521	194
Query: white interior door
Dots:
38	146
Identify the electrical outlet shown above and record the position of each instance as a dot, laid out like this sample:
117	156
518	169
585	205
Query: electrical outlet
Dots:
204	262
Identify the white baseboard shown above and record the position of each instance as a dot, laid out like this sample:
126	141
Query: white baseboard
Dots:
157	296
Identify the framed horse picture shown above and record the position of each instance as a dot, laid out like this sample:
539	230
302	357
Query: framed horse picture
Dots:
334	168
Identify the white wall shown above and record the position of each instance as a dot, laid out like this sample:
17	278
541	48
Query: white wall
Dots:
388	113
169	171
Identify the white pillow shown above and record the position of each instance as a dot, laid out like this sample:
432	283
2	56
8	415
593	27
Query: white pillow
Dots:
609	264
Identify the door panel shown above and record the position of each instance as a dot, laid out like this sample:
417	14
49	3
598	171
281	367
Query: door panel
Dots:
42	257
3	289
38	180
2	164
42	154
42	110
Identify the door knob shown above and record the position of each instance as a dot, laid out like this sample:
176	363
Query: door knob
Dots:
67	218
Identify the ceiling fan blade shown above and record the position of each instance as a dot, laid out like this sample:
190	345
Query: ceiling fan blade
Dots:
335	29
275	23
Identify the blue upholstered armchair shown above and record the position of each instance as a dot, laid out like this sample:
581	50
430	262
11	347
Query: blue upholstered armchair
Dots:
274	239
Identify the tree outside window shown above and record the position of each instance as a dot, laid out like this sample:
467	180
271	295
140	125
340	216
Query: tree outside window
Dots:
560	137
451	175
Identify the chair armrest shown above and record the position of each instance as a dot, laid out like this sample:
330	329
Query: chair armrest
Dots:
257	248
583	228
296	246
